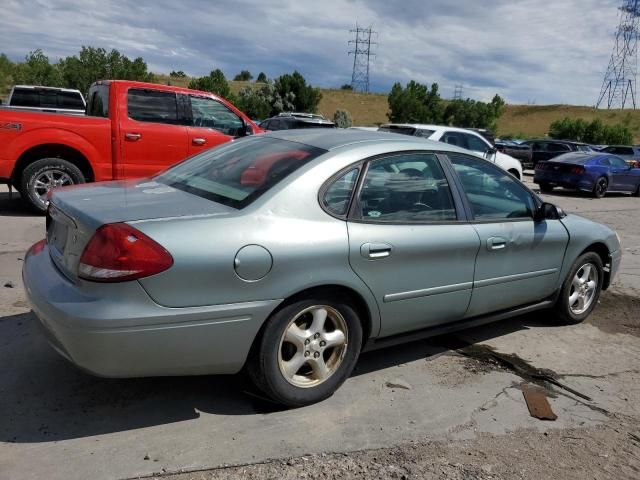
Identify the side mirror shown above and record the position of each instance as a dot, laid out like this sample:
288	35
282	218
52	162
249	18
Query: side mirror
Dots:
248	129
548	211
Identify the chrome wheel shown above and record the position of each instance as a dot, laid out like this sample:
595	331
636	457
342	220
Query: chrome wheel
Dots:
583	289
313	346
48	180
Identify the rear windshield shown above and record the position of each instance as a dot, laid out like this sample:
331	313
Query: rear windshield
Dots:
238	172
402	130
46	98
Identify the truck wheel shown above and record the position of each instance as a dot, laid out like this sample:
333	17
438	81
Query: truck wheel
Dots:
44	175
307	350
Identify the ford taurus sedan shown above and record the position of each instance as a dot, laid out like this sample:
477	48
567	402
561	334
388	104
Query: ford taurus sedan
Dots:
288	254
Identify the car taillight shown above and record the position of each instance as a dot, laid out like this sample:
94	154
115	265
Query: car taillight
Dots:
578	170
118	252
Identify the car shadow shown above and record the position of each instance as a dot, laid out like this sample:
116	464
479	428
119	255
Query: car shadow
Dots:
44	398
562	192
11	205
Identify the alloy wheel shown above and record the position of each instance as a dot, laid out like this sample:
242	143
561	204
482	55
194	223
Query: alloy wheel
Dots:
583	289
48	180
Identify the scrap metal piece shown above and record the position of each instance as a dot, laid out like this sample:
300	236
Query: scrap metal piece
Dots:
537	403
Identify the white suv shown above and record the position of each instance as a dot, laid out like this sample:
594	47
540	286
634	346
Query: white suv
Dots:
460	137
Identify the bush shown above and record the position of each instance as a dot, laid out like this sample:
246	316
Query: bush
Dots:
346	86
305	97
342	118
415	104
178	74
215	82
263	101
594	132
243	76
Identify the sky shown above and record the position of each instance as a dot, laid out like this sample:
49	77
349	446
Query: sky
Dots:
526	51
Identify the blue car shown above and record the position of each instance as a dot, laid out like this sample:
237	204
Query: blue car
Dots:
595	172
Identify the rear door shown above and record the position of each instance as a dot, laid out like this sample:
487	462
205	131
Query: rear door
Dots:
153	136
212	123
409	244
519	260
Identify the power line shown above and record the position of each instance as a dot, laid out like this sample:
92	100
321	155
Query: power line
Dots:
619	86
362	55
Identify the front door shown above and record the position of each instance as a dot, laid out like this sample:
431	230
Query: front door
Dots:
212	124
621	175
407	245
152	137
519	260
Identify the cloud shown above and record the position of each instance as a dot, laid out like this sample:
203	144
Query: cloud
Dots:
525	50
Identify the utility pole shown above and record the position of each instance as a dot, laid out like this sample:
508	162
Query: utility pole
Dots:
361	57
457	93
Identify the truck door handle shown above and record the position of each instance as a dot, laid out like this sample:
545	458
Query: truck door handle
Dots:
375	250
198	141
132	137
496	243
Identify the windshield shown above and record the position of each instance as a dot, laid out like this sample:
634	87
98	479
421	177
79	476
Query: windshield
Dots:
238	172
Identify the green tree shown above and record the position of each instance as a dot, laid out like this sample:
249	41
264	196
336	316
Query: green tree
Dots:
243	76
92	64
178	74
474	114
36	70
262	78
6	73
215	82
342	118
305	97
415	103
594	132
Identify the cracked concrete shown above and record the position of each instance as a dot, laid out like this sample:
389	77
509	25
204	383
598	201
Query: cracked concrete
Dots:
59	423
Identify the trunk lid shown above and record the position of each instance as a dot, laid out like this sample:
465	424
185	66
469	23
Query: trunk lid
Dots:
75	213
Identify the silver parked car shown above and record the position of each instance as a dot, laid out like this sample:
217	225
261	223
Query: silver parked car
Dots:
290	253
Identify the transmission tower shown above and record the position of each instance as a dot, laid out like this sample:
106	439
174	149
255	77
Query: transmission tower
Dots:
619	86
457	93
361	57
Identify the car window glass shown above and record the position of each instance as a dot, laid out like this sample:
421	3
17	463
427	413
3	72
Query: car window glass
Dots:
48	99
406	188
70	100
558	147
210	113
336	198
98	105
423	133
152	106
492	193
624	151
455	138
25	98
605	161
618	162
475	144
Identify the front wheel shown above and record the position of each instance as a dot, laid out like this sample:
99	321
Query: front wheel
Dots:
581	289
44	175
307	350
600	188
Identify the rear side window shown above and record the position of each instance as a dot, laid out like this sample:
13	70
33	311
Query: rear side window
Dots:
98	105
492	193
152	106
558	147
238	172
336	198
405	188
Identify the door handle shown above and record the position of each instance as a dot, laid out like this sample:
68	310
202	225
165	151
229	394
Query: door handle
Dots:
198	141
496	243
375	250
132	137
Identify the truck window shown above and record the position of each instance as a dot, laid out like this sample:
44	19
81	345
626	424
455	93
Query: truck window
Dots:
98	105
210	113
25	97
70	100
152	106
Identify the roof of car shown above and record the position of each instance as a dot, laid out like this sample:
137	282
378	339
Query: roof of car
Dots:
336	138
577	156
551	140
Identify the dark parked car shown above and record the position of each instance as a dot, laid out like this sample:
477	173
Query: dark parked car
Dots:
515	150
594	172
290	121
543	150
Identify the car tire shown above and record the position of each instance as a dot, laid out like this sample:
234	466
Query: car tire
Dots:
291	366
546	188
581	290
600	187
42	175
515	173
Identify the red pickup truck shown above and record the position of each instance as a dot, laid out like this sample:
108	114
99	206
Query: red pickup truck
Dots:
131	130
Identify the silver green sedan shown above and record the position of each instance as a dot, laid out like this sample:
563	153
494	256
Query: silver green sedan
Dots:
288	254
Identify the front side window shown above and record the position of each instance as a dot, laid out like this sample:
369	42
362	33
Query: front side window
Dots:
455	138
238	172
210	113
492	193
152	106
475	144
336	198
406	188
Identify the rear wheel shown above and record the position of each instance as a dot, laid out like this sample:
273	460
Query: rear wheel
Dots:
44	175
600	188
546	188
307	350
515	173
580	290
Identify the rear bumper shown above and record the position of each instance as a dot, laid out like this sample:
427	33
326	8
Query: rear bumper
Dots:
116	330
565	180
